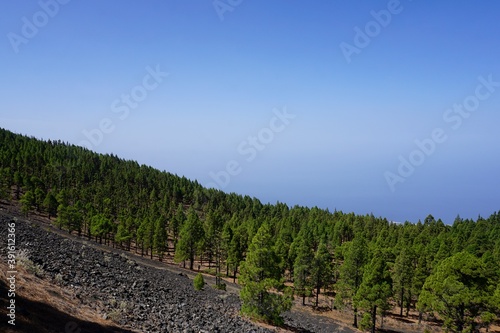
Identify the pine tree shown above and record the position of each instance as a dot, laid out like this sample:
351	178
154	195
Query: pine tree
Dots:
282	246
149	236
177	223
403	274
376	289
351	273
5	181
75	218
100	225
260	274
62	219
160	237
213	232
322	269
27	202
423	268
141	235
50	204
86	188
226	238
190	239
302	269
39	196
461	292
198	282
18	180
122	234
235	251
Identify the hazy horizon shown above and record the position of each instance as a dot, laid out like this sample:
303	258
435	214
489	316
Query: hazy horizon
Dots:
387	107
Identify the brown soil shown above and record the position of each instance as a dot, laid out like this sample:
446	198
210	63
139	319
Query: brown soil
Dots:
43	307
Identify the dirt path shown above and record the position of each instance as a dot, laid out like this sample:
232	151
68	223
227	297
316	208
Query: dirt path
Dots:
146	261
298	317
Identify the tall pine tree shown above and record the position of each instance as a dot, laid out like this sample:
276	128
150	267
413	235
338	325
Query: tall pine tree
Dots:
375	290
261	280
403	273
351	273
190	239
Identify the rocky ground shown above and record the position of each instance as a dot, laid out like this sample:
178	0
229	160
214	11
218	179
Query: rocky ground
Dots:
136	296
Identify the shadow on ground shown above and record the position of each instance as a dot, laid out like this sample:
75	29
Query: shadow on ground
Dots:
38	317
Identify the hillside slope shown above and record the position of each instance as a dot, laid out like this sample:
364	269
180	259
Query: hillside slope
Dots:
329	259
136	297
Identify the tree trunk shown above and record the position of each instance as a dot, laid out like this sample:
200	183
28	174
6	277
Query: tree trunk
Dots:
356	286
402	301
261	301
374	318
218	269
460	324
317	295
408	304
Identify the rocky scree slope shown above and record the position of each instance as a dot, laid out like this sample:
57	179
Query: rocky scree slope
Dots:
139	297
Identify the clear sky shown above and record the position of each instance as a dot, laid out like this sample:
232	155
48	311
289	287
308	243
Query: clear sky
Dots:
316	103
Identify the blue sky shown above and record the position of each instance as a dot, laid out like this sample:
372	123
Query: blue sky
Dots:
68	65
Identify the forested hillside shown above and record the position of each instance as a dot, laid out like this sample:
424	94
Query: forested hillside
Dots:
364	263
